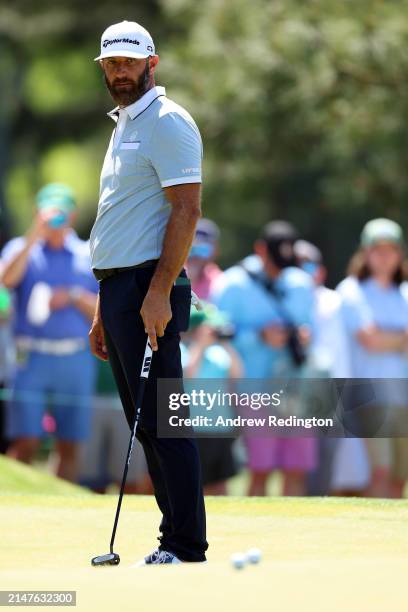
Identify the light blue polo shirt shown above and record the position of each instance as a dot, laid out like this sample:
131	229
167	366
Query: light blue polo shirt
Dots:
155	144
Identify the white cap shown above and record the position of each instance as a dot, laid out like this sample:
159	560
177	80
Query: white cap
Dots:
126	39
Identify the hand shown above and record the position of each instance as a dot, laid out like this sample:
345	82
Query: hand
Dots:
156	313
97	340
369	338
60	299
275	335
38	229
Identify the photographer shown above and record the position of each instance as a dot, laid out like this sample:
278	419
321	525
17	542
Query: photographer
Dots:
55	294
270	302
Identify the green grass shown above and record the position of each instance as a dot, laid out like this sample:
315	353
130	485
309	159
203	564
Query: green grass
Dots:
319	554
15	477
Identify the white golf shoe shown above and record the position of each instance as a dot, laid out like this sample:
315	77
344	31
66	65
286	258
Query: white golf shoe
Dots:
158	557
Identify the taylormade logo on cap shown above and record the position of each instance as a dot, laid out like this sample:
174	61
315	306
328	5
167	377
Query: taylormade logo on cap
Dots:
108	42
126	39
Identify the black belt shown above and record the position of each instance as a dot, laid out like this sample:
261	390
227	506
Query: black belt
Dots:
102	274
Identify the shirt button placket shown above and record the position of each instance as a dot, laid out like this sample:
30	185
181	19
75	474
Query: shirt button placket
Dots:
120	128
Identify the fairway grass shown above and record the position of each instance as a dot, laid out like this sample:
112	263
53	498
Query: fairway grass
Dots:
318	554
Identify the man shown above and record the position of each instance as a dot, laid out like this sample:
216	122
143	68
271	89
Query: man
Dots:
55	296
148	208
270	302
201	267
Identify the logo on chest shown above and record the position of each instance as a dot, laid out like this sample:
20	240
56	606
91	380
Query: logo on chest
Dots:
130	141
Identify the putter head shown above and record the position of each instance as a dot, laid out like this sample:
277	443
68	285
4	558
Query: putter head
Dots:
109	559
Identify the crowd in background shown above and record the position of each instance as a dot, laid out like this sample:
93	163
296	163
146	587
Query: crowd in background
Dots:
270	316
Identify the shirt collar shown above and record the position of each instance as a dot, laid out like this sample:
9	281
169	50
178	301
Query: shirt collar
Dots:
133	110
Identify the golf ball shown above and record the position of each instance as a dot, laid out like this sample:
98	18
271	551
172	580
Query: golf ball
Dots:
238	560
253	555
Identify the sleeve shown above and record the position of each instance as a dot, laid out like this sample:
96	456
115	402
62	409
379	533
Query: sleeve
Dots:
11	249
299	303
176	150
355	312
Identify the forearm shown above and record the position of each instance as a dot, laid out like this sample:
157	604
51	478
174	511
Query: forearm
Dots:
177	241
383	341
86	302
97	311
393	341
14	270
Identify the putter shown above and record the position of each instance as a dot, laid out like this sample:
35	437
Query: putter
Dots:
113	558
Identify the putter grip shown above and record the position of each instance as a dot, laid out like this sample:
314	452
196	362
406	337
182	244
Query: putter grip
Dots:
147	360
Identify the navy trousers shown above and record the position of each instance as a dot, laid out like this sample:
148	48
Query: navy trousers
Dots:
173	464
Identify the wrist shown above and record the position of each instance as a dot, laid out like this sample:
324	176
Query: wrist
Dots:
159	290
75	294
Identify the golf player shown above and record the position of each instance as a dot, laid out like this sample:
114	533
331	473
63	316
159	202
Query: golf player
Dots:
148	209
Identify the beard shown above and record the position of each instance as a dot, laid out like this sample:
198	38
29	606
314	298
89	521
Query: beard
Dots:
125	91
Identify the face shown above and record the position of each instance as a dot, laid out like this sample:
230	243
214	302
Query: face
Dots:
383	259
55	234
128	78
261	249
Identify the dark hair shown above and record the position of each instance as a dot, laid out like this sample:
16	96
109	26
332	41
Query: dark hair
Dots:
280	238
358	267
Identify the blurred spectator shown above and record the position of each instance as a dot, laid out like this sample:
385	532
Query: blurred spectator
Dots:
55	295
270	302
328	355
375	311
103	455
7	360
207	353
343	465
201	267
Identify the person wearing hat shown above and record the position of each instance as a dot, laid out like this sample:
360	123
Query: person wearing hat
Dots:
201	267
48	271
375	313
270	302
148	209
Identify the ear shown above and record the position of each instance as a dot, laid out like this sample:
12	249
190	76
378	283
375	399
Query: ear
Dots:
261	249
154	60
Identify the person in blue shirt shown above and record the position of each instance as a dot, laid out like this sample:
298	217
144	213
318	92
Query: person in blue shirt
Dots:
375	314
270	302
54	300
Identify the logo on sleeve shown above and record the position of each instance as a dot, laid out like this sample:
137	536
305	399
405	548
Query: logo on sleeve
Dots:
191	170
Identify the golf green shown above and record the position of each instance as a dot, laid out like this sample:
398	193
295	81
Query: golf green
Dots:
318	554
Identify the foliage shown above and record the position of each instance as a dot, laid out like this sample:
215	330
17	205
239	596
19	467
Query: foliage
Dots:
302	107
